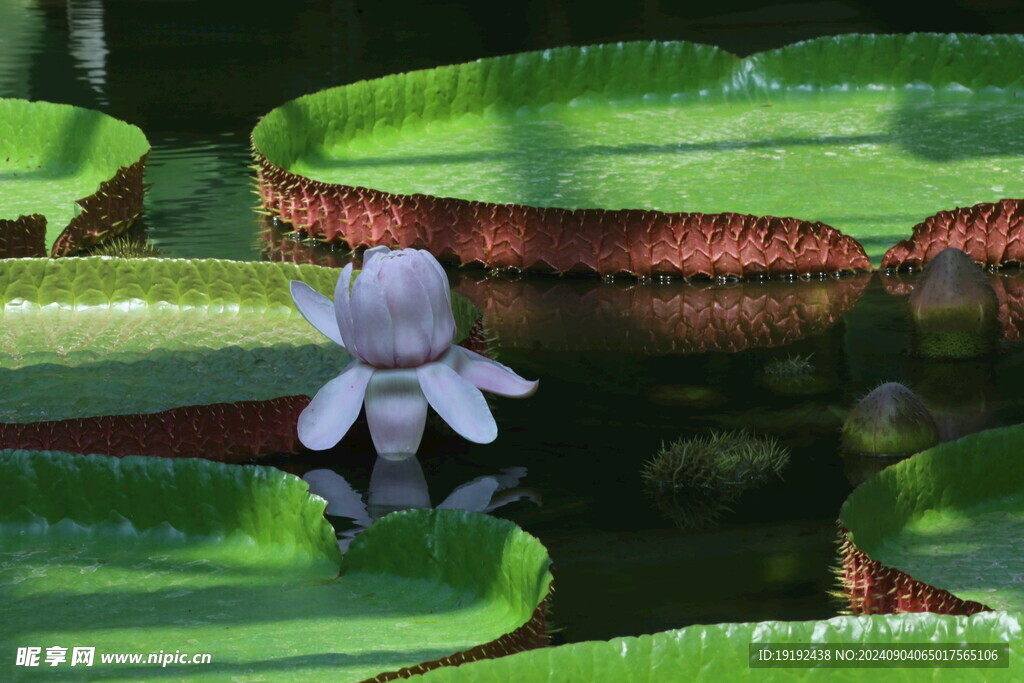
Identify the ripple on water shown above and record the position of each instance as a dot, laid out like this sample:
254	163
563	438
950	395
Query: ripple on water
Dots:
199	202
21	35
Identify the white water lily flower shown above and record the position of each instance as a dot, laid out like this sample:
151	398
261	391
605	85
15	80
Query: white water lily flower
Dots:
396	319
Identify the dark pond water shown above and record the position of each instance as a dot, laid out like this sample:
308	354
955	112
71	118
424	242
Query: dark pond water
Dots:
624	366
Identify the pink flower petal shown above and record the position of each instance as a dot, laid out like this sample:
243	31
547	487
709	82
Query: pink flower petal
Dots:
343	310
458	402
486	374
370	254
373	327
409	304
434	283
335	407
439	273
317	309
374	259
396	412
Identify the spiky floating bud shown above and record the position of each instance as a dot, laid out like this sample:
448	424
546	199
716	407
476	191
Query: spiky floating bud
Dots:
125	247
794	376
890	421
693	481
954	310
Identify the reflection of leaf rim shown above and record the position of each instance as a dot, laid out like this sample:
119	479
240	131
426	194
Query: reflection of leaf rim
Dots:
951	477
108	210
554	315
284	525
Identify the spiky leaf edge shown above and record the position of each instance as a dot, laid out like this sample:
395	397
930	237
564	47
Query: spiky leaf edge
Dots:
971	470
107	212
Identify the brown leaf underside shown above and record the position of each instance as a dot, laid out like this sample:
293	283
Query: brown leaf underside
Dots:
873	588
641	243
990	233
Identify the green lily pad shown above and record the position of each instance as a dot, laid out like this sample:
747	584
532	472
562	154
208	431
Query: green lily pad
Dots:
151	554
68	177
951	517
100	336
722	652
867	133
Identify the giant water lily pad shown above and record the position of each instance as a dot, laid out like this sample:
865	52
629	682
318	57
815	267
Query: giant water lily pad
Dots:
95	338
722	652
68	177
944	529
151	554
584	157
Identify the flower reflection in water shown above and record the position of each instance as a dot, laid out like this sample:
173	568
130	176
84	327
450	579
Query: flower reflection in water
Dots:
401	485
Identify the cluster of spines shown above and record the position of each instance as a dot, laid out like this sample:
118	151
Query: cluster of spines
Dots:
694	481
870	587
124	246
719	461
108	212
638	242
